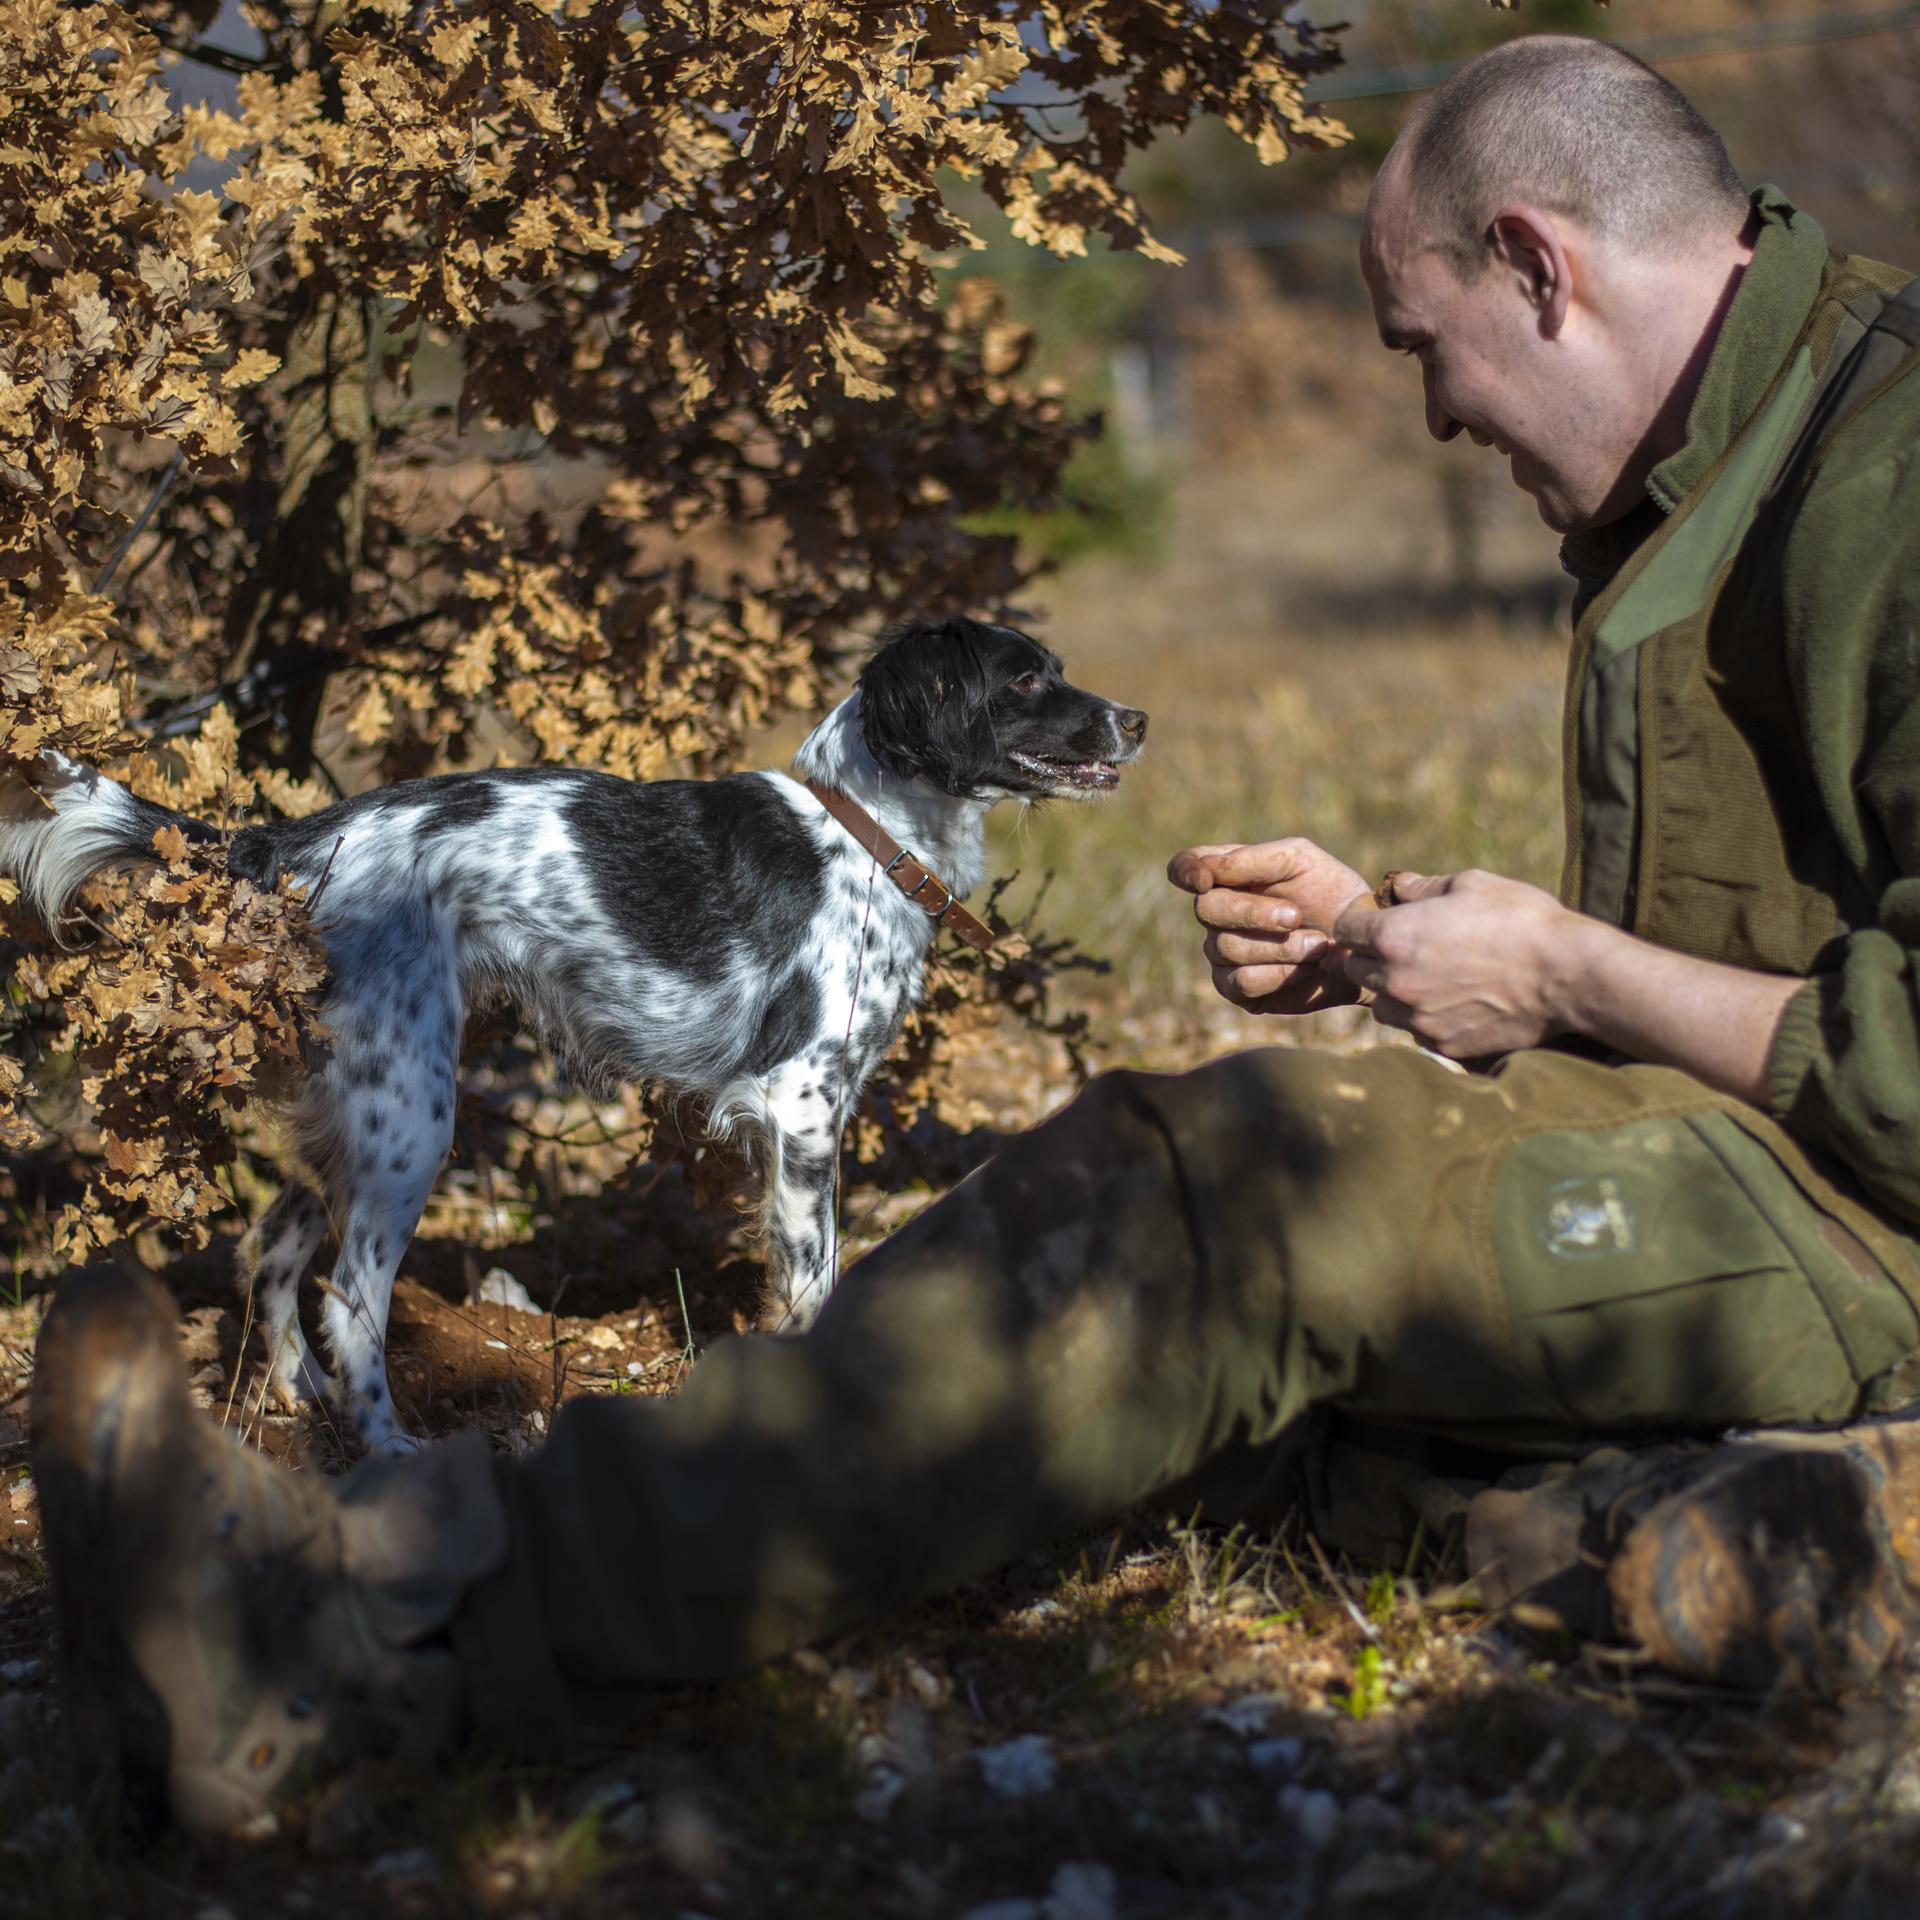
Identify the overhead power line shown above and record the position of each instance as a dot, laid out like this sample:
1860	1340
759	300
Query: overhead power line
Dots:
1278	232
1802	30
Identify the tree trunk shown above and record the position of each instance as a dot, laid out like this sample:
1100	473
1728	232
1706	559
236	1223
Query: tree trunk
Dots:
292	614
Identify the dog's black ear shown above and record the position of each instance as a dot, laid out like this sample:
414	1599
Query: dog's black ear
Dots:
925	703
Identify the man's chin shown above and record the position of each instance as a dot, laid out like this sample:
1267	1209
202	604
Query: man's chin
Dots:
1559	516
1564	517
1547	503
1567	516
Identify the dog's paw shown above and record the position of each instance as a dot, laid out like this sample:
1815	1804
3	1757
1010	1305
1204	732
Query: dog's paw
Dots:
296	1384
796	1312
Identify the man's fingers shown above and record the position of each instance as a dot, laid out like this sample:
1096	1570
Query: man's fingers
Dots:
1283	988
1364	970
1357	926
1223	907
1192	868
1263	864
1391	1012
1246	985
1263	949
1226	983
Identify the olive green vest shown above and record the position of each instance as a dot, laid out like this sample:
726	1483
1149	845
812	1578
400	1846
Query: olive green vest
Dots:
1683	751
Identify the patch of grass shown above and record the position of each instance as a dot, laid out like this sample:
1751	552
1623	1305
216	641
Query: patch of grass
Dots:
533	1858
1367	1691
790	1753
1382	1591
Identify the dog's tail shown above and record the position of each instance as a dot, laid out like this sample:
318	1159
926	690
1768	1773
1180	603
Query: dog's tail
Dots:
61	823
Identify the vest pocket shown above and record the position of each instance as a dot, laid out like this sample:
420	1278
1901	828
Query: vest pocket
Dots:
1720	871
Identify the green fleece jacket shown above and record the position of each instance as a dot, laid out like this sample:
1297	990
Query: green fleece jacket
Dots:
1834	598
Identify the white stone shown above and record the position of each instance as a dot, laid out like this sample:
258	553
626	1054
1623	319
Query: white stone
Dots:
498	1288
1019	1768
1314	1814
1082	1890
409	1863
1248	1715
882	1786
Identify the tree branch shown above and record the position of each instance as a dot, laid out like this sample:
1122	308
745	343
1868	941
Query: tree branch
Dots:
204	55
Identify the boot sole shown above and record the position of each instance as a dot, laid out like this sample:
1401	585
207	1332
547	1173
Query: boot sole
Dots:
1776	1571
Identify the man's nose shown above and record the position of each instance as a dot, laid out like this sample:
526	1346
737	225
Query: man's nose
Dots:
1440	423
1132	722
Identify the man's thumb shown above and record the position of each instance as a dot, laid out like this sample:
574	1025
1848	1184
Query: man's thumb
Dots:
1417	886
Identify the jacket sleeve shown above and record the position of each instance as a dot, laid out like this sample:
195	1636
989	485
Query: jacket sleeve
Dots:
1845	1070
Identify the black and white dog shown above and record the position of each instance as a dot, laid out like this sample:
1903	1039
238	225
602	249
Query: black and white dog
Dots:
728	938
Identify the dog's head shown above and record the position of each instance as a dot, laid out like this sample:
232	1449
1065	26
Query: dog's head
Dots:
984	713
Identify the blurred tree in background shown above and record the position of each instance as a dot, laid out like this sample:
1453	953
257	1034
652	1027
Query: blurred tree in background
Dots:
491	381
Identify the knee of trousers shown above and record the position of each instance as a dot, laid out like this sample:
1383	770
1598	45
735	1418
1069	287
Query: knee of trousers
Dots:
1147	1173
1296	1127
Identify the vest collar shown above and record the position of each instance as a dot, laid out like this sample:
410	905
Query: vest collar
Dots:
1769	312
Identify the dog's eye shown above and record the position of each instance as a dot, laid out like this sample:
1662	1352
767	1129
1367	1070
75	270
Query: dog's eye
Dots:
1028	683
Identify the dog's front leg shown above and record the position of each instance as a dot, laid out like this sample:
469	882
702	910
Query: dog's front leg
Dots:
802	1120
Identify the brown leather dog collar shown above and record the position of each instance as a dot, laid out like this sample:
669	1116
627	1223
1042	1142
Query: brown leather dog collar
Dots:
916	880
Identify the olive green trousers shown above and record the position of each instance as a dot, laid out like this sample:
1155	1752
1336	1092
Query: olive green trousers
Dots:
1173	1270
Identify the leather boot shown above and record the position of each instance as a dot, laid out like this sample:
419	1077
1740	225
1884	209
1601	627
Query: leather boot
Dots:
1792	1562
217	1644
1540	1540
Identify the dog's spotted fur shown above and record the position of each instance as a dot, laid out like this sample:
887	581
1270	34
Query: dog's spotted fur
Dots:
727	938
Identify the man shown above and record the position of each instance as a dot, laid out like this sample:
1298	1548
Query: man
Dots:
1682	1194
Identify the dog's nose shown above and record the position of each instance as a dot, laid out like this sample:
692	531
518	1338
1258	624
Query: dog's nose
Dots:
1132	722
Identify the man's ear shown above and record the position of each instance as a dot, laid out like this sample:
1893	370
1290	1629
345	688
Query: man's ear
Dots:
924	704
1528	244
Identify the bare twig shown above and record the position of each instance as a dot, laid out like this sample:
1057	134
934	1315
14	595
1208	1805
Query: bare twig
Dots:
139	526
223	59
1340	1593
326	874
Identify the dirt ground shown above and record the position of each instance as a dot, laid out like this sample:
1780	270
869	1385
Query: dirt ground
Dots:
1146	1721
1149	1720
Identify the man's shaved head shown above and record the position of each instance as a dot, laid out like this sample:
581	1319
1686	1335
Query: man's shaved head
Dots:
1576	128
1555	238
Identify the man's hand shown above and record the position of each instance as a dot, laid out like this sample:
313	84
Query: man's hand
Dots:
1472	964
1468	963
1269	911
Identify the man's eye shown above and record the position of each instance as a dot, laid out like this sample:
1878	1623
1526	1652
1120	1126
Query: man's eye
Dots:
1028	683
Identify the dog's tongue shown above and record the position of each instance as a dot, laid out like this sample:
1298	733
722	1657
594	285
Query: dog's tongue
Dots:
1076	773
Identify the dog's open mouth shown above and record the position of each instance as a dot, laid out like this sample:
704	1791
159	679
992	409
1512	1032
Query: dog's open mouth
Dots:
1086	776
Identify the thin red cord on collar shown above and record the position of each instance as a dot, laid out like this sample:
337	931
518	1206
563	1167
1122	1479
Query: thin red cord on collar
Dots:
911	875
